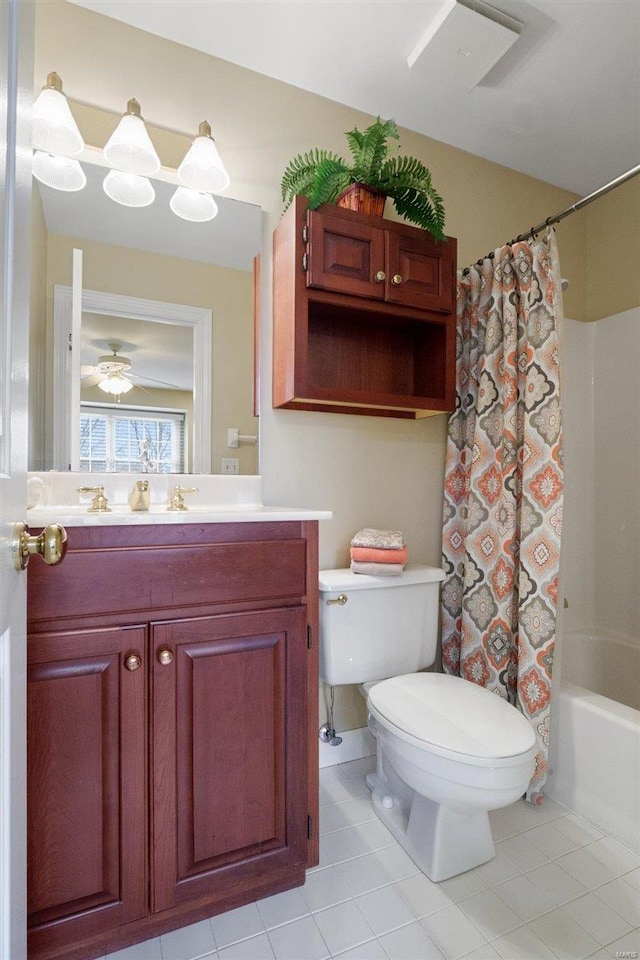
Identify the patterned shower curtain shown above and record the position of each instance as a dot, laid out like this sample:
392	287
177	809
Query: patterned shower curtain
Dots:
504	483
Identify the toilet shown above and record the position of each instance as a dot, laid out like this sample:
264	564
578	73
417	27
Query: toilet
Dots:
448	751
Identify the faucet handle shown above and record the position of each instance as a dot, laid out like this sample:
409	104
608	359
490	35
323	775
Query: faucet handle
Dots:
99	504
176	501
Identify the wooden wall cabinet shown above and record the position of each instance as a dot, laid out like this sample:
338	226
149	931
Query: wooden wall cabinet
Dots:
364	315
172	715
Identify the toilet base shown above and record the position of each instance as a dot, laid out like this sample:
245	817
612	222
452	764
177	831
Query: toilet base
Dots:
442	842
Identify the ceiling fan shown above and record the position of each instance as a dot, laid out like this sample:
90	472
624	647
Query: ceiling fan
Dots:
112	374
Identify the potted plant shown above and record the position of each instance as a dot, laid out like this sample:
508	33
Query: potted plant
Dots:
376	172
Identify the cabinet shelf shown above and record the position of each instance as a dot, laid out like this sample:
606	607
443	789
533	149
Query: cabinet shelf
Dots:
363	315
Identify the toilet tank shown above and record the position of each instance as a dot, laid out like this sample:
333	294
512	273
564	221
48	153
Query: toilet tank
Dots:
386	627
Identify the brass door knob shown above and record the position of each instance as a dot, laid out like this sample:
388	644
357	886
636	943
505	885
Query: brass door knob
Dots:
133	662
165	657
396	279
51	545
381	276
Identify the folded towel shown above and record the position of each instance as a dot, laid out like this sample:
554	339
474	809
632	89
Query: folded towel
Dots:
378	539
371	555
377	569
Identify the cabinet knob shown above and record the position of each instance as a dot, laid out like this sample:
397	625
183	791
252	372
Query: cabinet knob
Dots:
165	657
133	662
396	279
381	276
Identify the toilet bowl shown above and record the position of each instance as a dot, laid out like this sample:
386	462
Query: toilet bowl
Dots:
448	752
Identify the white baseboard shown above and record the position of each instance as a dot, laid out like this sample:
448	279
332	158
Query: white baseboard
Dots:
355	744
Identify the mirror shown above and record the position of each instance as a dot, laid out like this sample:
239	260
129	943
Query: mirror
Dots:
166	317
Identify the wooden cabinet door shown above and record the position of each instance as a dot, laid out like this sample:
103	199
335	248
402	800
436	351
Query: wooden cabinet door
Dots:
345	256
87	846
420	271
228	737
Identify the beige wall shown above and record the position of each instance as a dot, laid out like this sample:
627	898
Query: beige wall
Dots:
613	251
368	471
227	293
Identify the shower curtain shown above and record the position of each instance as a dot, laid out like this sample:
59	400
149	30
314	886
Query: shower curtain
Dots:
504	482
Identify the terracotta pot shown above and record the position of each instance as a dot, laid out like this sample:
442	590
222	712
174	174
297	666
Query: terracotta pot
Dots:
358	196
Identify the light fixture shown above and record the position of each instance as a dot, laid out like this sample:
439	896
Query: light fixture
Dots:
115	384
192	205
129	148
128	189
202	168
113	366
60	173
54	129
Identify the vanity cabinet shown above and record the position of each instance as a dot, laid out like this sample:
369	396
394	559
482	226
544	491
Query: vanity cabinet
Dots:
364	315
172	715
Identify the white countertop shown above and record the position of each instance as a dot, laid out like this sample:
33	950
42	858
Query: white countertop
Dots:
123	516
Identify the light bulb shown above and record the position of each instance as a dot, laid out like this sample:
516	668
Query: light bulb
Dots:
60	173
54	129
202	168
193	205
115	384
129	148
128	189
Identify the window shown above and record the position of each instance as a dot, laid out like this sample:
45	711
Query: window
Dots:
119	439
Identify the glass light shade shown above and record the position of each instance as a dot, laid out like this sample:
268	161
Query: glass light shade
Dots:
128	189
193	205
202	168
54	129
116	384
129	147
60	173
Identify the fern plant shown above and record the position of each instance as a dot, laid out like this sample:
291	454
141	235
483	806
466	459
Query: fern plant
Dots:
322	176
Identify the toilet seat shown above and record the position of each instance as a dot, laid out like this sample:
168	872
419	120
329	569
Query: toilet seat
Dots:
452	718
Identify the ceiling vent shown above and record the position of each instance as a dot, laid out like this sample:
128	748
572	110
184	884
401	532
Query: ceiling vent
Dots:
464	41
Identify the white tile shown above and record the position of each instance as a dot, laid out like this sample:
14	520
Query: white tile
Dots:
525	898
578	829
633	877
188	943
614	856
362	874
622	898
490	914
422	895
374	834
235	925
464	885
497	870
548	838
366	951
522	944
341	845
343	927
485	952
500	828
597	918
283	908
629	944
299	940
521	853
384	910
360	767
525	815
339	815
325	888
147	950
255	948
332	774
409	943
582	865
337	791
558	885
453	932
563	935
395	862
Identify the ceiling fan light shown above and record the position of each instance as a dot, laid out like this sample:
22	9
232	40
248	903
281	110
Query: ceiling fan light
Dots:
129	148
193	205
54	129
128	189
59	173
202	168
115	384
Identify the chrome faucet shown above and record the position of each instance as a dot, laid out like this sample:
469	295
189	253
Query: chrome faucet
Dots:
140	496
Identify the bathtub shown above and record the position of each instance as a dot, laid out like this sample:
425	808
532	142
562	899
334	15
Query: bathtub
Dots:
595	760
608	665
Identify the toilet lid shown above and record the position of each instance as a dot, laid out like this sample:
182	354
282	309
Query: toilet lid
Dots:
452	715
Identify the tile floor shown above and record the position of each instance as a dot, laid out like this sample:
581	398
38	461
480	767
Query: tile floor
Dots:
558	888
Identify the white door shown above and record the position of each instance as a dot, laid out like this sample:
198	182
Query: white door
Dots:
16	96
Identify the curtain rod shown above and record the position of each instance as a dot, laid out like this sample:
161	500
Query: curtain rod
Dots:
556	218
